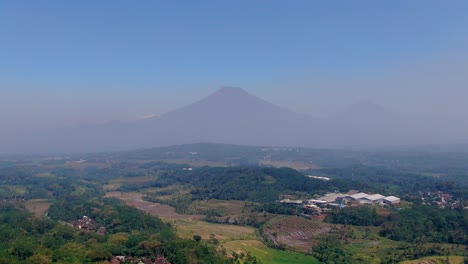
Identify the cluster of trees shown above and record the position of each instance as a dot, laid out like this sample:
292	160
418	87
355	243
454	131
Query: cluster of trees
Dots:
75	193
129	232
414	224
427	224
336	248
360	216
251	183
390	181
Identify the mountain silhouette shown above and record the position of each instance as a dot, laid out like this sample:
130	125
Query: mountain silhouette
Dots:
229	115
233	116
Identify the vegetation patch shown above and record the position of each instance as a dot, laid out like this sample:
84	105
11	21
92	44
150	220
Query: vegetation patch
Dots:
437	260
267	255
207	231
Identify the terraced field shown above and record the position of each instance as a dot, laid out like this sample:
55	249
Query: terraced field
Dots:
295	232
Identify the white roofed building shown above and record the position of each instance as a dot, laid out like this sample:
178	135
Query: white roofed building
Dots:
375	198
391	200
358	196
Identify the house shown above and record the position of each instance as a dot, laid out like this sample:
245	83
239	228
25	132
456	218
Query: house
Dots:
391	200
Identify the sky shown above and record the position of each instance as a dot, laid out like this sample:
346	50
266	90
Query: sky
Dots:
66	63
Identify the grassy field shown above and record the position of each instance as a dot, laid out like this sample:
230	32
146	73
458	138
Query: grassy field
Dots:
436	260
368	247
224	207
116	183
222	232
268	255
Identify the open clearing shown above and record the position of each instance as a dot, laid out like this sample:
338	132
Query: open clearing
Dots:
116	183
222	232
268	255
162	211
222	206
38	207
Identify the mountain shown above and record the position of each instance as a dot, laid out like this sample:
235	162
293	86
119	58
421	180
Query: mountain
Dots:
233	116
229	115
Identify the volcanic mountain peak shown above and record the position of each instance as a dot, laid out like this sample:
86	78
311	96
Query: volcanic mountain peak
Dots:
230	91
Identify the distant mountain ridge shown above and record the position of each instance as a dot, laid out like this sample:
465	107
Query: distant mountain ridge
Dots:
233	116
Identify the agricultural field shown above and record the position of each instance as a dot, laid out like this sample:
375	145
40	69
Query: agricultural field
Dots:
222	232
268	255
436	260
38	207
221	206
295	232
12	190
234	238
114	184
162	211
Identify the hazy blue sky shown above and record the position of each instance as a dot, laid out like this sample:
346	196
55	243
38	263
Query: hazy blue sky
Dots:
69	62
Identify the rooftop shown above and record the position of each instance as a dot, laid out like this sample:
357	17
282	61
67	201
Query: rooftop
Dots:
359	195
374	197
392	198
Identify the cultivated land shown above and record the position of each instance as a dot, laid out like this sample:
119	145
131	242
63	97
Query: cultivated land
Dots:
224	207
187	225
221	232
295	232
116	183
234	238
436	260
162	211
268	255
38	206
